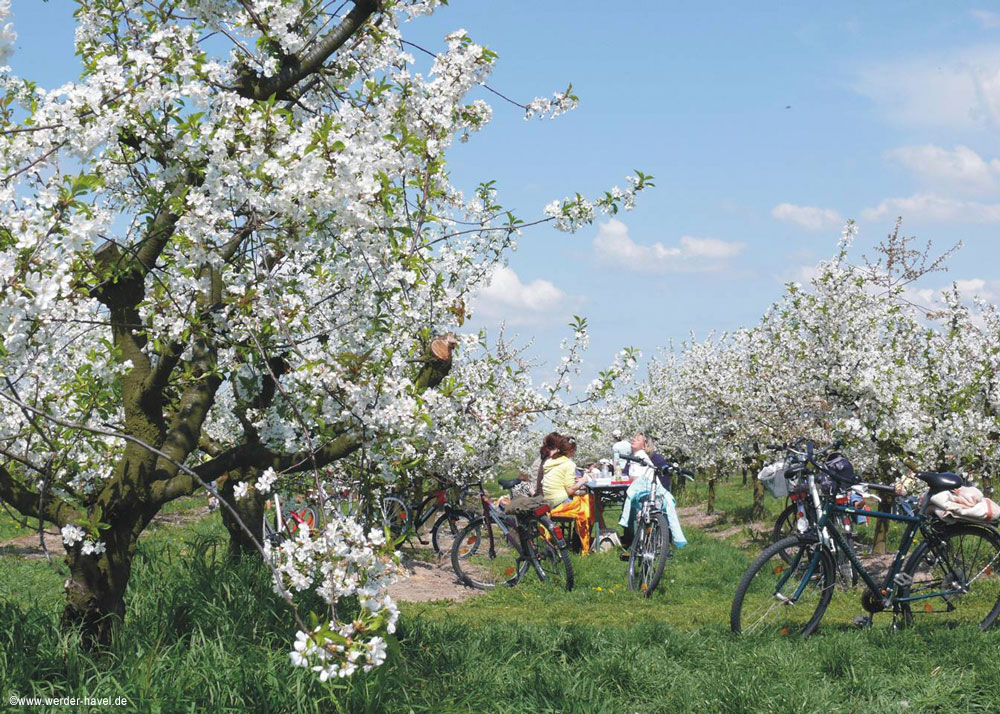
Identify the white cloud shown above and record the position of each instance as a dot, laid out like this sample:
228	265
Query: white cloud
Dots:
507	299
811	218
931	207
614	245
986	19
962	168
954	90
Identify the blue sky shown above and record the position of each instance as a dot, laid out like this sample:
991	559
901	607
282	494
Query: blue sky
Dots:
766	125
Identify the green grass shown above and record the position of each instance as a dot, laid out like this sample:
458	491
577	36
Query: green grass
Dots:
206	635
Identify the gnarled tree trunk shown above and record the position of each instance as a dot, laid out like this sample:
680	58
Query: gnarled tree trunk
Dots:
251	511
95	590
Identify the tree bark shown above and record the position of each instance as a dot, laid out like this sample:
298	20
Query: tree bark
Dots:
757	511
95	590
251	511
710	507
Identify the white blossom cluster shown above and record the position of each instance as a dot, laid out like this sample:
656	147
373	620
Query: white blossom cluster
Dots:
847	357
339	560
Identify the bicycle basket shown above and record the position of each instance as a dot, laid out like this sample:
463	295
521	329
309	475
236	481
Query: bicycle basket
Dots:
772	477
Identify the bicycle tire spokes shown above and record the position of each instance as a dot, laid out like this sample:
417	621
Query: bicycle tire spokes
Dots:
785	591
955	578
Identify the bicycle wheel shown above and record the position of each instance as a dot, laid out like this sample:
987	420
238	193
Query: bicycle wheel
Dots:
785	525
782	592
650	550
446	528
483	555
960	582
553	563
395	516
293	517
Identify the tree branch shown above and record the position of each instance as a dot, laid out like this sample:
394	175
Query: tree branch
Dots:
27	500
296	67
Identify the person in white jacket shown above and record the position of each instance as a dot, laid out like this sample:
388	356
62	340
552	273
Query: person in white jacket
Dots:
645	482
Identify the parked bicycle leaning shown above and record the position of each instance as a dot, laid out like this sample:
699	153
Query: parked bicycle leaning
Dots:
951	574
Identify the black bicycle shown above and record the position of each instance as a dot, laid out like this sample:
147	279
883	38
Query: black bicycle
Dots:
446	502
497	548
652	542
951	573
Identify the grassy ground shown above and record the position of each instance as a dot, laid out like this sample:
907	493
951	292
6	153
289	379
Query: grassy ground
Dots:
205	635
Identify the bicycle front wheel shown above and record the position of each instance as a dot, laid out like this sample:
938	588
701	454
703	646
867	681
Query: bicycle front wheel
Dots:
485	555
785	590
650	550
957	578
446	529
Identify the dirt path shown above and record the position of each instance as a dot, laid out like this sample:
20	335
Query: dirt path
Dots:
430	581
28	546
716	526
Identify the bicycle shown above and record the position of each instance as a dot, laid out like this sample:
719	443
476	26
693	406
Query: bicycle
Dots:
790	584
285	522
515	543
405	519
796	518
652	540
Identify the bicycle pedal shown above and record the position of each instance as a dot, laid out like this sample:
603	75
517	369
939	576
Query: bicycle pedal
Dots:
863	621
903	580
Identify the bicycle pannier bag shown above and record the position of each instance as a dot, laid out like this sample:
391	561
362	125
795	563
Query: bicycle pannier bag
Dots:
523	505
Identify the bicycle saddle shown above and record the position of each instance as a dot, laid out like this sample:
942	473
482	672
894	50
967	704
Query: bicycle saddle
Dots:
944	481
508	483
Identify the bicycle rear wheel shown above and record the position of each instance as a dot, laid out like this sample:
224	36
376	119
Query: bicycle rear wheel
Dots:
960	582
785	525
395	516
483	555
650	549
785	590
554	565
446	529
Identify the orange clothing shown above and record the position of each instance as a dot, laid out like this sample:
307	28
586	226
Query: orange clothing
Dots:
579	509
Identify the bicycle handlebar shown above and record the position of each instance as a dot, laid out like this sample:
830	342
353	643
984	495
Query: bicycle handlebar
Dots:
668	466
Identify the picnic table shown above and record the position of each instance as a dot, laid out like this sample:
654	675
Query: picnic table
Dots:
605	491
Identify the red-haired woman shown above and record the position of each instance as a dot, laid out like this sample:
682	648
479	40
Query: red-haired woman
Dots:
561	487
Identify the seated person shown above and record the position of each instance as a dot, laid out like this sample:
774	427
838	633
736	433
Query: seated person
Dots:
561	487
642	485
621	448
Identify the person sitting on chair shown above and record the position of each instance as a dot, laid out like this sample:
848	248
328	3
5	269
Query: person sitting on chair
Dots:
669	502
643	476
561	488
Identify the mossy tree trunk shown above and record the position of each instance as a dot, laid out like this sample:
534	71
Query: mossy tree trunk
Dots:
250	510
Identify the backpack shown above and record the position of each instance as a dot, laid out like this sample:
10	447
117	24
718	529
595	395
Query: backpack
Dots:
841	470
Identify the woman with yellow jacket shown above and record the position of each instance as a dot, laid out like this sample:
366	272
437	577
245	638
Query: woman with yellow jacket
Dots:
560	486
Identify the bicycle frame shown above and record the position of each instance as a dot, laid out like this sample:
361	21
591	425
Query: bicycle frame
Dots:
519	536
829	531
